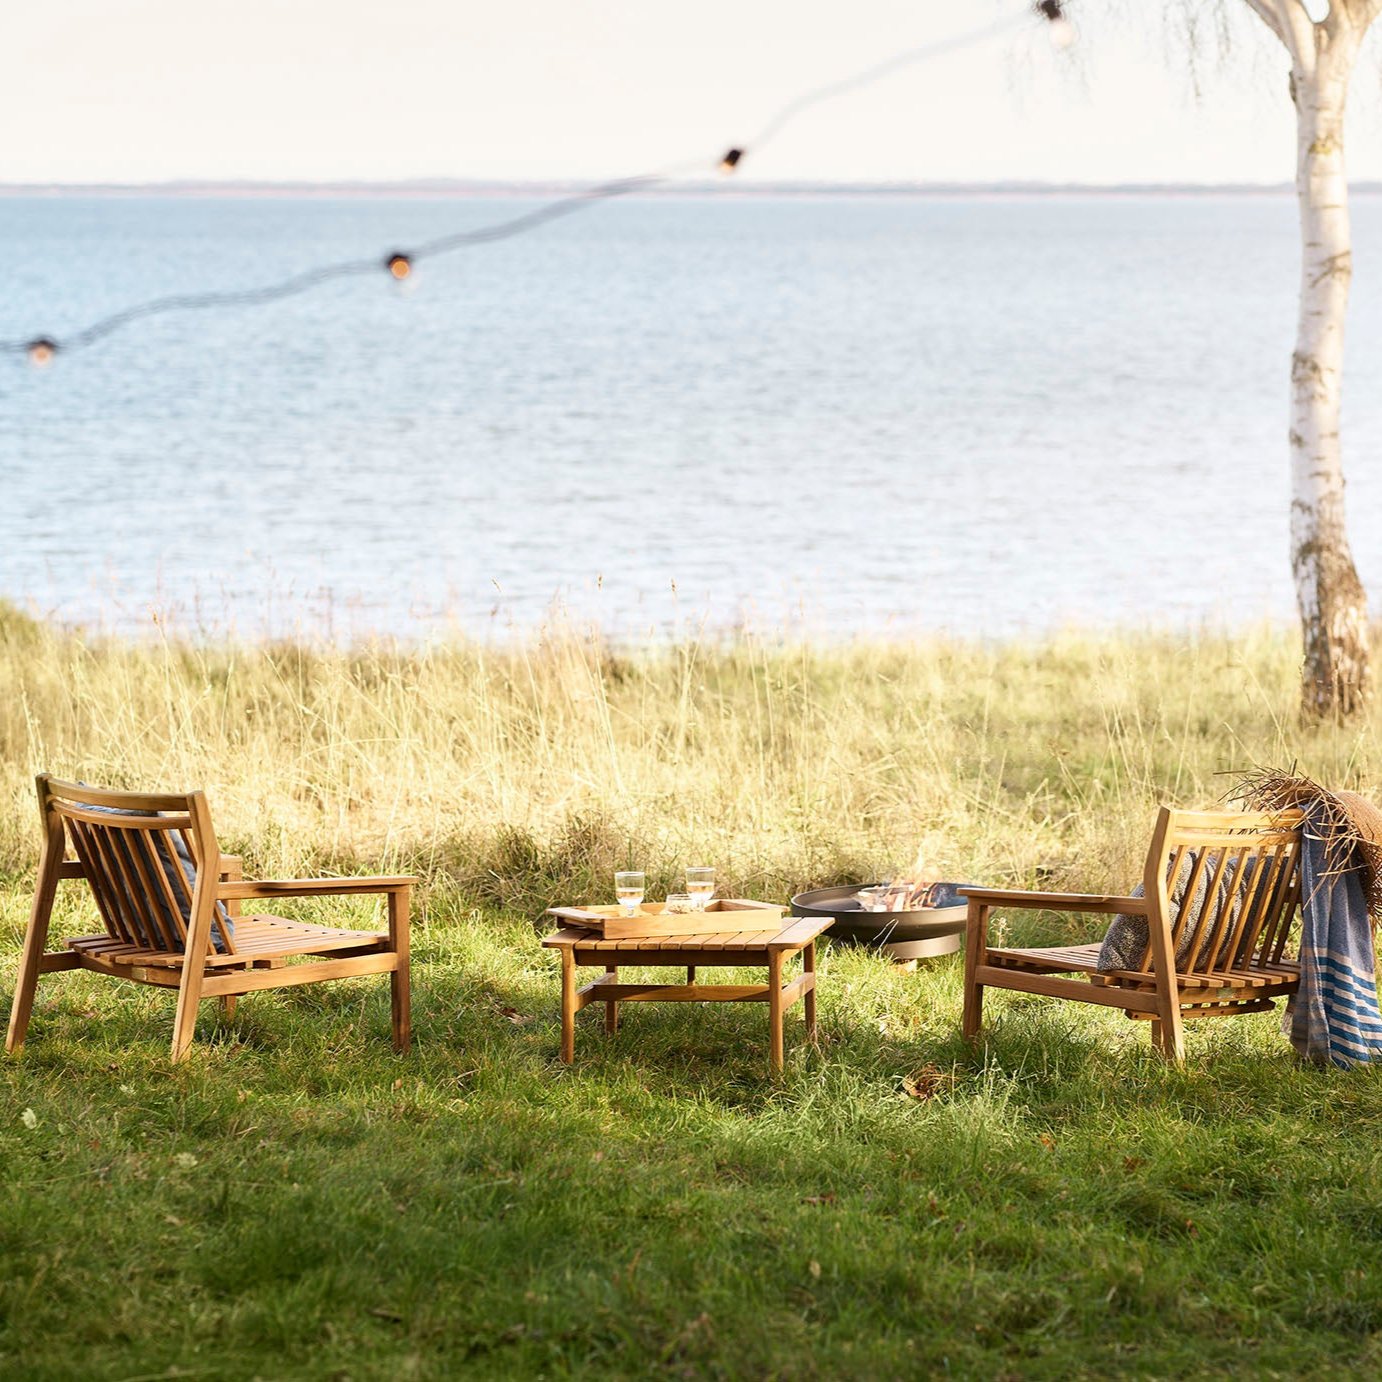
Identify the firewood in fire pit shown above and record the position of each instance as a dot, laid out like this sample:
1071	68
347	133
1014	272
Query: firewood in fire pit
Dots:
901	895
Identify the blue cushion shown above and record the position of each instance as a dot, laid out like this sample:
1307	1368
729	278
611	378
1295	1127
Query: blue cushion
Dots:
1128	936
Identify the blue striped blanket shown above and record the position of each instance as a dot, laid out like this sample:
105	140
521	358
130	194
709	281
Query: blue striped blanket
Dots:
1333	1019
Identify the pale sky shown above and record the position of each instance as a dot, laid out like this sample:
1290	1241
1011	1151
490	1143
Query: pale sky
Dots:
148	90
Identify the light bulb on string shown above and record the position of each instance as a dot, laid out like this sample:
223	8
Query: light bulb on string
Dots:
401	266
1062	33
1060	29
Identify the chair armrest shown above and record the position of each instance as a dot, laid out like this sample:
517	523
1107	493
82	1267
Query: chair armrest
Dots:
1055	902
310	887
232	868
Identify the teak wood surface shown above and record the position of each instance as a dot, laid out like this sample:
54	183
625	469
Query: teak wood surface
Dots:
725	949
190	934
653	918
1233	949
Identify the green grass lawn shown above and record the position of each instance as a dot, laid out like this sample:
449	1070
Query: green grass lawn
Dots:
298	1201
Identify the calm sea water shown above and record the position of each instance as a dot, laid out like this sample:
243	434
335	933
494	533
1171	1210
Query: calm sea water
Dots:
987	415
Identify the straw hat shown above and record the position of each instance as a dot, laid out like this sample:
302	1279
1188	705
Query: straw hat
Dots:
1351	823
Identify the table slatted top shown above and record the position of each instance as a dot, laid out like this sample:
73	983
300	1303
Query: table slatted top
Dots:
798	932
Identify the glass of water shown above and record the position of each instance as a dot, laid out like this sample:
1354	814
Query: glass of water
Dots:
629	889
700	883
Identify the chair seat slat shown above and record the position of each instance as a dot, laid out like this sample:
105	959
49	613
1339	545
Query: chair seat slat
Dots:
268	938
1084	959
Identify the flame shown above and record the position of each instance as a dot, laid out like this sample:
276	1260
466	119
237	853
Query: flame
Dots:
908	893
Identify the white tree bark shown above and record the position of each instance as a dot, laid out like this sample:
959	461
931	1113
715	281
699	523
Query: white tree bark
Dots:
1329	595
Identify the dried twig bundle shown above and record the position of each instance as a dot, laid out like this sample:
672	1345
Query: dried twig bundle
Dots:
1351	824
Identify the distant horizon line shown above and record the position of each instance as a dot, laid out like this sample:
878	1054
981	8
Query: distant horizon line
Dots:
482	187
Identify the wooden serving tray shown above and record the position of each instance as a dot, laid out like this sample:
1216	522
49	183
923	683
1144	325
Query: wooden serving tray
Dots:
653	919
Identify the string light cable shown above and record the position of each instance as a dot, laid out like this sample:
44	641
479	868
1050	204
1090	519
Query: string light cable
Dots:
398	264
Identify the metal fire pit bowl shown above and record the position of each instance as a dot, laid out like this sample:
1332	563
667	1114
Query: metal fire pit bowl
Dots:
922	934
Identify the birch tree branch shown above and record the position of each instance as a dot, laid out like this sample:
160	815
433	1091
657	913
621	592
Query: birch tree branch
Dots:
1290	22
1301	29
1341	18
1348	22
1364	12
1265	10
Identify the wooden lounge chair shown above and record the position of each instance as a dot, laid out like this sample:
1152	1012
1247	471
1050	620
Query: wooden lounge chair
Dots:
1216	945
170	901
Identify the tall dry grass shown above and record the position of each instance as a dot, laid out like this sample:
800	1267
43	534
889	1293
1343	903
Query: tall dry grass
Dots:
296	1198
517	775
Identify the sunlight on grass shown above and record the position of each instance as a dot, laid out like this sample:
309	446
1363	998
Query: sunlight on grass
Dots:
296	1200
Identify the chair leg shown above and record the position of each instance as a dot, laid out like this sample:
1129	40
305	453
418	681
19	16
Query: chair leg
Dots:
400	981
973	1010
976	926
1170	1040
35	942
185	1020
228	1007
195	948
808	966
1168	1031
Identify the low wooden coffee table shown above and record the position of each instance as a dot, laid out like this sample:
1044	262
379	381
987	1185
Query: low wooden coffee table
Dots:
726	949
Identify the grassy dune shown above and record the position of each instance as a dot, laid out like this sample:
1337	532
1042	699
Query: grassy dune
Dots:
296	1201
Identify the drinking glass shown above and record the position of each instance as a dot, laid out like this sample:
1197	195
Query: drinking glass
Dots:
700	883
629	889
680	902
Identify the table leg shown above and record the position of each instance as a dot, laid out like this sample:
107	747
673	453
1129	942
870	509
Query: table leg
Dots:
690	974
612	1006
568	1005
775	1010
808	966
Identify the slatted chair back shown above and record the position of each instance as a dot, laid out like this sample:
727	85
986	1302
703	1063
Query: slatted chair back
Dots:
146	859
1225	887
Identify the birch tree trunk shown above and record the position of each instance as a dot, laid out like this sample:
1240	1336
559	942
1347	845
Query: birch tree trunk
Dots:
1330	597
